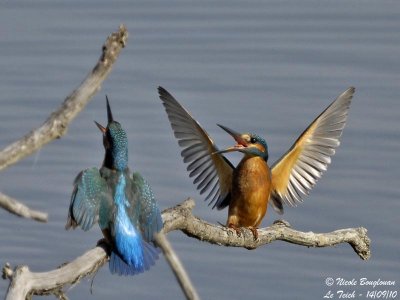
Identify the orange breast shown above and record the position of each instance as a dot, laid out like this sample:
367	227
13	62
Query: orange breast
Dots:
251	188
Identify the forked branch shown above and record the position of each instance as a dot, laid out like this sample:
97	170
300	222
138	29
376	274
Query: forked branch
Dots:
57	123
24	282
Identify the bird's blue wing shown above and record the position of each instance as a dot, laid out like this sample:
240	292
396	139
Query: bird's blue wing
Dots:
89	194
148	212
298	170
212	172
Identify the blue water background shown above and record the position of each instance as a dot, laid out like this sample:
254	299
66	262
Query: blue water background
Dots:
268	67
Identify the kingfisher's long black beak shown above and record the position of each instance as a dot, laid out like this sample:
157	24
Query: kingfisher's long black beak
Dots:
241	143
236	135
101	127
109	113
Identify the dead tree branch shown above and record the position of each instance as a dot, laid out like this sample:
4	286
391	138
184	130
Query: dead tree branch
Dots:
21	210
57	123
24	282
181	218
177	267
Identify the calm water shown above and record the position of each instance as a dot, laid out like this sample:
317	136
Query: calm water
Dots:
265	66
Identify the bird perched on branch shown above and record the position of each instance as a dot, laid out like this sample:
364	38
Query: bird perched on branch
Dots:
248	188
122	204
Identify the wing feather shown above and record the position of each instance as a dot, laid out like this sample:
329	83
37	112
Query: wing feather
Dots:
212	173
144	208
89	194
204	171
298	170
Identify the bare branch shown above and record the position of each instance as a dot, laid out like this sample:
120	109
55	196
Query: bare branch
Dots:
181	218
24	282
177	267
21	210
57	123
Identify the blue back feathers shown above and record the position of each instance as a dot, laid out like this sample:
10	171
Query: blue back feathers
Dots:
132	253
124	206
127	240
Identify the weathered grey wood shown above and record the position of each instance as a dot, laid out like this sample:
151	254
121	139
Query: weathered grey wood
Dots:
57	123
181	218
17	208
179	271
23	282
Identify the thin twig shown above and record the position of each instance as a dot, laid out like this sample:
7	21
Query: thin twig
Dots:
57	123
177	267
180	217
21	210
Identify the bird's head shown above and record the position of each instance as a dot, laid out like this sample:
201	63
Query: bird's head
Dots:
248	143
115	143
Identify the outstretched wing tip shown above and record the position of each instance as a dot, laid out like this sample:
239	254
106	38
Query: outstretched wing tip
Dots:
299	169
349	93
160	89
164	94
211	172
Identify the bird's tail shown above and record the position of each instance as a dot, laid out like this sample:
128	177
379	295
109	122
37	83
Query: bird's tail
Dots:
118	266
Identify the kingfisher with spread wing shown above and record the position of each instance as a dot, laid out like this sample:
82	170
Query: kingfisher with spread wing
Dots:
122	204
248	188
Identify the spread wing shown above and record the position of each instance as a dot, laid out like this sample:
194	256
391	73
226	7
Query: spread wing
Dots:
90	192
212	173
150	221
298	170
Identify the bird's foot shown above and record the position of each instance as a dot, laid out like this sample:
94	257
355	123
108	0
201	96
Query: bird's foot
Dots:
235	228
106	245
102	242
254	231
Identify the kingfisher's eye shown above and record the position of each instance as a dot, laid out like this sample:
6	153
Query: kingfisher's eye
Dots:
253	140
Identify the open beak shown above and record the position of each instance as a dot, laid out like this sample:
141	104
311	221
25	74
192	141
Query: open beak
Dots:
102	129
109	113
240	142
109	117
